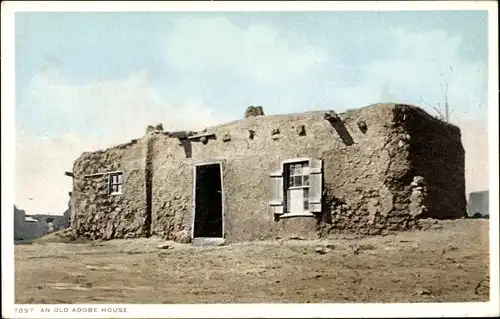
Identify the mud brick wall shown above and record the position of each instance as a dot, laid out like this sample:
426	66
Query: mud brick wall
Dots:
436	155
171	199
245	165
409	168
365	182
96	213
375	175
364	168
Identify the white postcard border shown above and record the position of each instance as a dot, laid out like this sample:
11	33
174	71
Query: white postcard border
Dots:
9	310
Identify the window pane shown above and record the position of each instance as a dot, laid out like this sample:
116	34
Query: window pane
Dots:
292	170
306	204
305	164
297	180
298	169
119	178
305	180
306	194
290	182
119	188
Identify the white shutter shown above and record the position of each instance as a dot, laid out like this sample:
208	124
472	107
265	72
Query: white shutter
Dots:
276	189
315	185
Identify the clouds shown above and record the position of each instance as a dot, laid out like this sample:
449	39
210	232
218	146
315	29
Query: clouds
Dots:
85	118
423	62
40	162
111	108
260	52
414	68
195	70
475	142
433	46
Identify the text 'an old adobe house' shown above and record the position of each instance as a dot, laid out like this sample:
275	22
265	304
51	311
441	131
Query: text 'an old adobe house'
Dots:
370	170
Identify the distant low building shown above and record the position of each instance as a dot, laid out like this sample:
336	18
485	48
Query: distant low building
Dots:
478	203
19	217
57	222
29	227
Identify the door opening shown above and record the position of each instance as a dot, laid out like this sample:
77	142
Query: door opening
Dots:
208	217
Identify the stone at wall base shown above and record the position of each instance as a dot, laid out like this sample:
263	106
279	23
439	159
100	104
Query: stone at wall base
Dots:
208	241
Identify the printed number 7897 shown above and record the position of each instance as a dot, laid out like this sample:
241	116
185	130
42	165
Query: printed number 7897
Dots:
23	310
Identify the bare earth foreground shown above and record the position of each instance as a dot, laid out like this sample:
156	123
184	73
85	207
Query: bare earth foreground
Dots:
449	262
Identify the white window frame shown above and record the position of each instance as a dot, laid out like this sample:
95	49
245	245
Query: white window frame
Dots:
111	183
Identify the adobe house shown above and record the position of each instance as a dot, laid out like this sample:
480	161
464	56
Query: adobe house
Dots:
371	170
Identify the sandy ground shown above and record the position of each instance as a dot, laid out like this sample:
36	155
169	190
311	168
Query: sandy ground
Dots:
447	263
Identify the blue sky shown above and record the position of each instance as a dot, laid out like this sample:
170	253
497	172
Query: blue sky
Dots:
90	80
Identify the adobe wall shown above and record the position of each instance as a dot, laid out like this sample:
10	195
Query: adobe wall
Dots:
246	163
437	155
98	215
357	168
370	165
413	170
363	181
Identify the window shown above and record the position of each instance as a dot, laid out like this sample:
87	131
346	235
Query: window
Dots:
115	183
298	174
298	187
295	187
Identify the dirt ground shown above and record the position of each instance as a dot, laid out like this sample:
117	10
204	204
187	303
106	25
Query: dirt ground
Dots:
449	262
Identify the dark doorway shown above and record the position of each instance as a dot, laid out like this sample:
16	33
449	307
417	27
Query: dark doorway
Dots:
208	217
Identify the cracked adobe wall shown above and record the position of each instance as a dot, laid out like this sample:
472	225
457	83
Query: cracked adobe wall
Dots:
437	155
364	182
98	215
411	167
370	167
246	163
366	174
